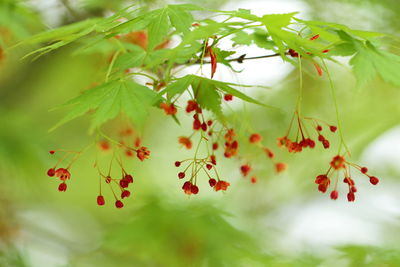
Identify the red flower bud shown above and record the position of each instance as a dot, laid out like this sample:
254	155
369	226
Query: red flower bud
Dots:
351	197
212	182
119	204
194	189
334	194
125	194
51	172
373	180
228	97
100	200
62	187
255	138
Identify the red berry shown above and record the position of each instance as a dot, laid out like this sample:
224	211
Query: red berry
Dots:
196	124
51	172
177	163
100	200
353	189
280	167
191	106
108	179
209	122
245	169
269	153
319	128
119	204
321	138
104	145
209	166
204	126
253	180
215	146
228	97
322	187
235	145
255	138
311	143
326	144
125	194
212	182
364	170
52	152
181	175
333	128
373	180
351	197
187	185
334	194
194	189
62	187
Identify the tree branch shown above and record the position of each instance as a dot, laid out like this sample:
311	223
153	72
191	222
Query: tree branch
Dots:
242	58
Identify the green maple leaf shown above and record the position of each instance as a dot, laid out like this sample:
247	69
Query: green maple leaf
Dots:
110	99
370	61
177	16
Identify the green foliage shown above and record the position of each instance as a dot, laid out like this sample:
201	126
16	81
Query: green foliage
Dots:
276	33
111	98
369	61
175	243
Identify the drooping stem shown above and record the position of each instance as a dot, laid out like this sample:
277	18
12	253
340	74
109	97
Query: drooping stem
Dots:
333	92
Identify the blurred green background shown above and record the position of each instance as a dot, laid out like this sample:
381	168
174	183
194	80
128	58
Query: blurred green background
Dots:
280	221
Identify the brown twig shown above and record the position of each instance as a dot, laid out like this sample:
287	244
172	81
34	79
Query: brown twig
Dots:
241	58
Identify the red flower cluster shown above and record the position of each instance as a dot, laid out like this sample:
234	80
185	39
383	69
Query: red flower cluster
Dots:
196	165
231	145
131	143
199	123
122	183
339	163
246	169
302	139
63	174
120	148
